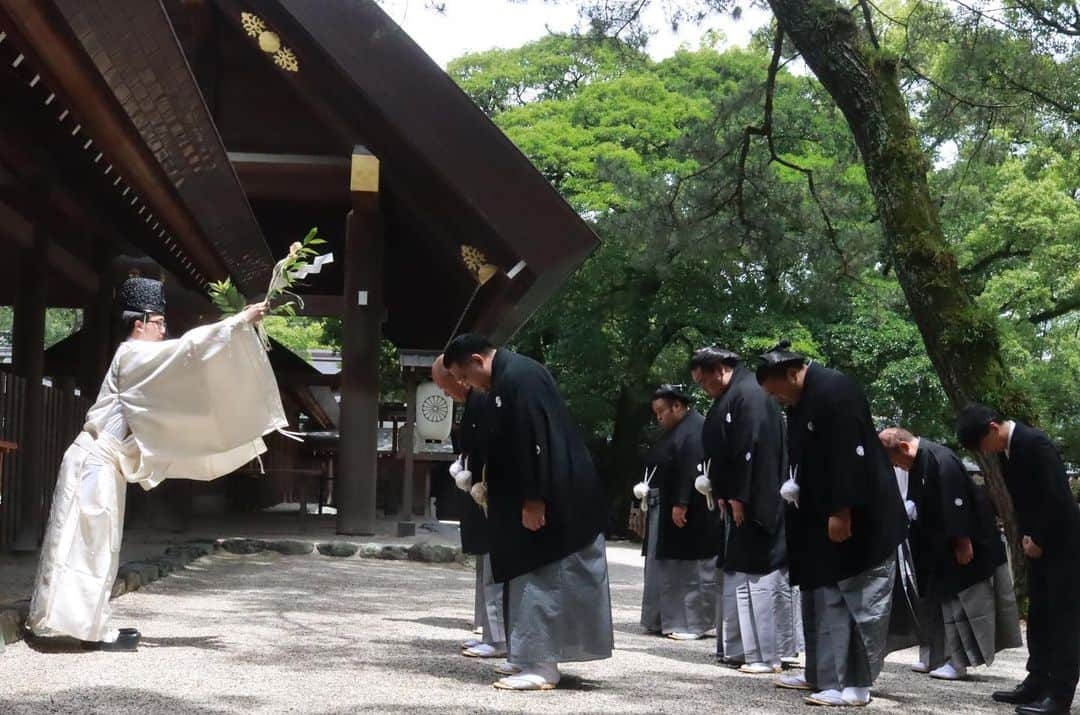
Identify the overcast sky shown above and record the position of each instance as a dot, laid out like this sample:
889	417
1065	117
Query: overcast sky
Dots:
475	25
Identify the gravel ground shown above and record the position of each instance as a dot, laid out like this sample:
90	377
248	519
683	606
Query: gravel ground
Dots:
277	634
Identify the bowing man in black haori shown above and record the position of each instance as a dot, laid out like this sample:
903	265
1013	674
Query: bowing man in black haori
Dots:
681	533
743	439
471	445
968	611
1049	522
547	511
843	532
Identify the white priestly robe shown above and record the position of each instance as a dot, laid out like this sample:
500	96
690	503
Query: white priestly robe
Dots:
194	408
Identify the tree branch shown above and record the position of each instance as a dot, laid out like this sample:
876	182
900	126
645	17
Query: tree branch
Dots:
868	18
1003	253
1063	306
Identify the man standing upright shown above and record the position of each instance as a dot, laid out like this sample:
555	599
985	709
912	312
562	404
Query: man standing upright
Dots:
547	512
1050	524
846	528
475	540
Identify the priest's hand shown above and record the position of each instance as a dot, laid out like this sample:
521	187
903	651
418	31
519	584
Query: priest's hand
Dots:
532	514
840	526
1031	549
678	515
738	511
964	551
255	312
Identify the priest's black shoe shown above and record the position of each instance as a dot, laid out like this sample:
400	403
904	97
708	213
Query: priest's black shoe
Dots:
128	640
1022	694
1044	706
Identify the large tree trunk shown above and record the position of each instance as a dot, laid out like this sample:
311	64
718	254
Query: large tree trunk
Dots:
961	340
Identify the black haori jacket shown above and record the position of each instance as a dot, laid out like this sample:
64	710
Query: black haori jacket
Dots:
743	439
472	439
841	464
536	452
950	506
676	457
1045	507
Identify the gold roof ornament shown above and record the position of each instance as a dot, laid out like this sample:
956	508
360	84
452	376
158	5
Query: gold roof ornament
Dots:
269	42
477	263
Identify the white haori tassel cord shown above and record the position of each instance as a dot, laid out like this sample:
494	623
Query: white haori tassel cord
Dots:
641	489
789	490
704	486
459	470
912	510
479	491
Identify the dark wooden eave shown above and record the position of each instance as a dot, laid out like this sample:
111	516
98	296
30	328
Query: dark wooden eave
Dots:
444	160
121	72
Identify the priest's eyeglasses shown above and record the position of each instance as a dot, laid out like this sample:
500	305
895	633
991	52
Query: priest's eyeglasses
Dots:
160	322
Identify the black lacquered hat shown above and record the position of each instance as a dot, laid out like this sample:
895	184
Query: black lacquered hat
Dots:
142	295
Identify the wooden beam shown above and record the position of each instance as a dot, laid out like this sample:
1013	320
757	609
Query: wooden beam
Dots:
293	177
362	328
321	306
70	72
303	379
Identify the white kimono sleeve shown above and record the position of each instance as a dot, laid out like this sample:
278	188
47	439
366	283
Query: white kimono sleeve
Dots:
197	406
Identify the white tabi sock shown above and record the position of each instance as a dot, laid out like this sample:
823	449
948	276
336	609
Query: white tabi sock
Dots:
949	672
827	697
856	696
111	636
485	650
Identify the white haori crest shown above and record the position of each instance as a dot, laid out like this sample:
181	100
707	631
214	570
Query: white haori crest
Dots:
728	418
498	401
810	426
860	451
959	502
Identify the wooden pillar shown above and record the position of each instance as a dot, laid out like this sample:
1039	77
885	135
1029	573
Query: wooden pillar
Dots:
28	362
362	319
95	339
408	439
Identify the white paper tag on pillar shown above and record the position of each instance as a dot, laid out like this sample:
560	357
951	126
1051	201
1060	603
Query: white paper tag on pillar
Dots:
361	297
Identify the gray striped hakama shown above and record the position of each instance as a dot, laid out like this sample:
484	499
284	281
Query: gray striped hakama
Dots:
847	627
488	609
561	612
971	627
759	618
680	595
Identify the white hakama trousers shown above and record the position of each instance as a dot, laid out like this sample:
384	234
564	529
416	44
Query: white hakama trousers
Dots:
680	595
561	612
971	627
489	604
760	624
81	552
847	627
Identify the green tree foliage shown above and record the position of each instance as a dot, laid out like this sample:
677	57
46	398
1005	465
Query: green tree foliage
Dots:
700	245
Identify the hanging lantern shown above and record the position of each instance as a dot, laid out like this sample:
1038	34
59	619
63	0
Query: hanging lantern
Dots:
434	413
